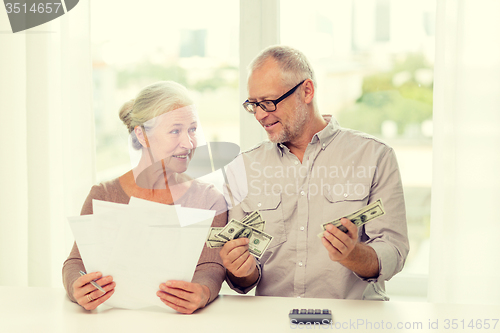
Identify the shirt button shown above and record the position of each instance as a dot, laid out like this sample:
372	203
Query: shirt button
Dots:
324	145
259	204
300	264
296	162
302	228
346	195
302	193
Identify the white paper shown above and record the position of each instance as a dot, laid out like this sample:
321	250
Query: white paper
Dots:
185	216
99	206
141	245
89	245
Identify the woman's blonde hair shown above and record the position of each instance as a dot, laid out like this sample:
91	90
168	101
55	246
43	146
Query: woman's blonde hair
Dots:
152	101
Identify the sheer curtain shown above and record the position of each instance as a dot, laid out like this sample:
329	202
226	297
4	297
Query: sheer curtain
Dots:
47	152
465	222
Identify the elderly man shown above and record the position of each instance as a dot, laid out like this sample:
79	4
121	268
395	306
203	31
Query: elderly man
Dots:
311	171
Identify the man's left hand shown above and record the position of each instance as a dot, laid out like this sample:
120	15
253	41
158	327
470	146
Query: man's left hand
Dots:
339	244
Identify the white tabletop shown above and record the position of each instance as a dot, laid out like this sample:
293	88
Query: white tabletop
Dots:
49	310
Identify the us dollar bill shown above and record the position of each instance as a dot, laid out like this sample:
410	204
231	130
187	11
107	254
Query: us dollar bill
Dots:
253	217
360	217
213	240
258	240
258	225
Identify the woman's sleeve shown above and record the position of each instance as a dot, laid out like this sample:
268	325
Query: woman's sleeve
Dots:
210	271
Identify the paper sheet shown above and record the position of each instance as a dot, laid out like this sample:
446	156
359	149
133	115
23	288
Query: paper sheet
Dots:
141	245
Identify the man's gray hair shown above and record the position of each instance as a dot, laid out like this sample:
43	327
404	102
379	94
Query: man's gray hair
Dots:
293	64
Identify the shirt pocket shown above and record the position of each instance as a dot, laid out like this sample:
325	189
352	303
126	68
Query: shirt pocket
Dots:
344	200
271	210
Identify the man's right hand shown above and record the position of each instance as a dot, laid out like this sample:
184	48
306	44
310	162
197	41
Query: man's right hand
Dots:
240	264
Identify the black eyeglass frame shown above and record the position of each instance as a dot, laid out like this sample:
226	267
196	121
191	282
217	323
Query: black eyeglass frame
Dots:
275	102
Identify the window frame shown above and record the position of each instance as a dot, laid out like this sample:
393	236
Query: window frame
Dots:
260	28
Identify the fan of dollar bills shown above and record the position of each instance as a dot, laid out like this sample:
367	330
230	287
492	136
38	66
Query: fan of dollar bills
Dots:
360	217
251	227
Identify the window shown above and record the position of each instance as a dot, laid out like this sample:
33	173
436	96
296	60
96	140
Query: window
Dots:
156	41
373	61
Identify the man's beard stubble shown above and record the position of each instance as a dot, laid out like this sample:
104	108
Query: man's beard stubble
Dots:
294	127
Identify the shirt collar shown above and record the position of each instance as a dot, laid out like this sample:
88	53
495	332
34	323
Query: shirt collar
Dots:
326	135
282	149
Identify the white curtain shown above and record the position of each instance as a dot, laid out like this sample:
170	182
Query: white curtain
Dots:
465	224
47	152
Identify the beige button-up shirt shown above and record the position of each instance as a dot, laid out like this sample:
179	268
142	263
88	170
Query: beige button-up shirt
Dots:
342	171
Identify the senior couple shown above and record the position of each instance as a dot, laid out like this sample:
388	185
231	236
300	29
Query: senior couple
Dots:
162	123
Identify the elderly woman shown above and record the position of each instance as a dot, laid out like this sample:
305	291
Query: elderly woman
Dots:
162	123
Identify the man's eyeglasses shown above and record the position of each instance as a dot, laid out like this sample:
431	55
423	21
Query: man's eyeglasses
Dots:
268	105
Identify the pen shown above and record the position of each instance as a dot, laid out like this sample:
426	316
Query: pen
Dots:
82	273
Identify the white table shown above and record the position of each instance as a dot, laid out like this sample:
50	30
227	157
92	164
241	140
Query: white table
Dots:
49	310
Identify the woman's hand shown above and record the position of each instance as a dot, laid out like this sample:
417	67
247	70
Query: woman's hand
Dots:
89	296
182	296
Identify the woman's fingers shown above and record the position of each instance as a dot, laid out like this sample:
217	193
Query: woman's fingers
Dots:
96	302
87	295
182	296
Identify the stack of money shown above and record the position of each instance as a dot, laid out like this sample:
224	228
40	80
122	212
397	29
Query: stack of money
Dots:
251	227
360	217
